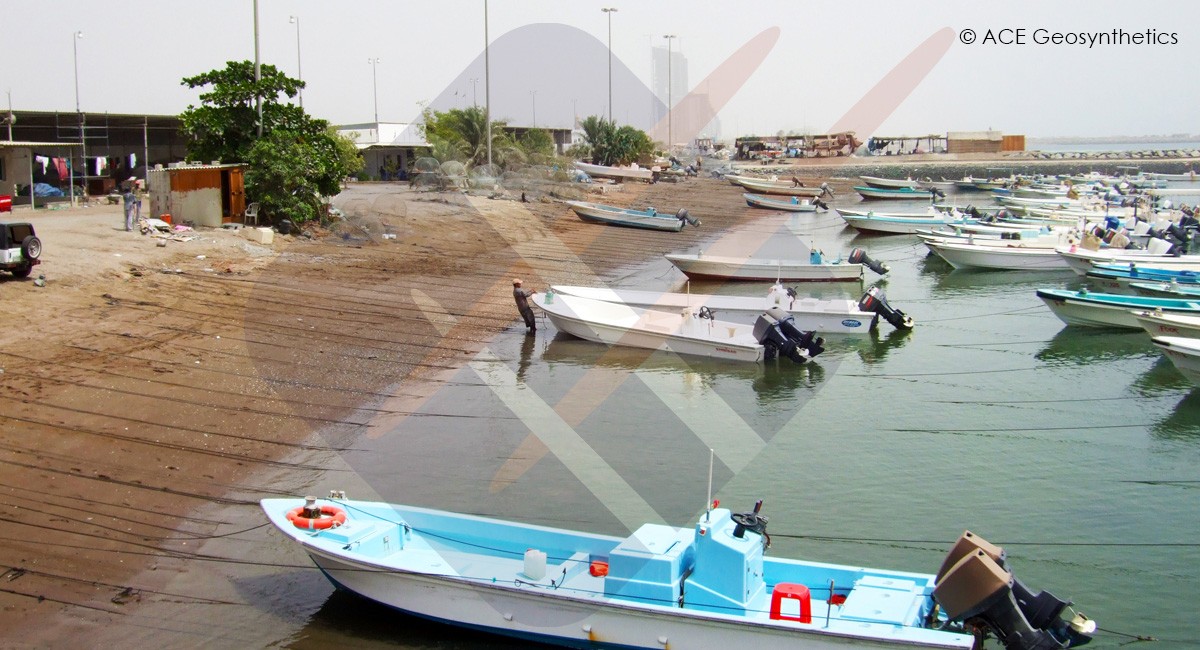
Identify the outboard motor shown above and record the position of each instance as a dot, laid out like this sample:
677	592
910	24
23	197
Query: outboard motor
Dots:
975	584
875	301
859	256
776	331
820	204
682	215
825	190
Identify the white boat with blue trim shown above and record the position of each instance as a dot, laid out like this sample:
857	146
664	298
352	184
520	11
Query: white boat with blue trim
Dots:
710	585
1109	309
826	316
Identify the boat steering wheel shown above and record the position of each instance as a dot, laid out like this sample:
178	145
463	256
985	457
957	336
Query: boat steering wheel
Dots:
748	519
705	312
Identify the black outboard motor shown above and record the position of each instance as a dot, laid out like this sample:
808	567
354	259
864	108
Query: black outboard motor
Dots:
859	256
820	204
682	215
776	331
874	300
975	584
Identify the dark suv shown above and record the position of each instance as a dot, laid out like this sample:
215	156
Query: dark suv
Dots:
19	248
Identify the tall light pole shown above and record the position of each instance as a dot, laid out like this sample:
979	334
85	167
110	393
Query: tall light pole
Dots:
375	84
299	73
610	11
79	115
670	137
487	84
257	73
533	98
474	99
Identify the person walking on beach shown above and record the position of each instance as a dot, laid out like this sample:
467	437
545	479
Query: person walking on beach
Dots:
521	297
131	201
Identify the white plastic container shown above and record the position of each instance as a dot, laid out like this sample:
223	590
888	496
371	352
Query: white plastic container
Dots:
535	564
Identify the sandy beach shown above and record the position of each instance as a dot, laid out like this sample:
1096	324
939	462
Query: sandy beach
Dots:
151	395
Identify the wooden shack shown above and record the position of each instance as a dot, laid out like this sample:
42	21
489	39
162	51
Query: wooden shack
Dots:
202	195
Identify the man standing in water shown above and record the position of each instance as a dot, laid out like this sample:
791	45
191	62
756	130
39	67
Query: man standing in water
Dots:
521	296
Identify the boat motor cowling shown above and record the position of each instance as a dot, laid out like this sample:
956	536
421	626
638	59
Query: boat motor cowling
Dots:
976	585
859	256
776	330
875	301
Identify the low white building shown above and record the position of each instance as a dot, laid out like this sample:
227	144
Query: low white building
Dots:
386	145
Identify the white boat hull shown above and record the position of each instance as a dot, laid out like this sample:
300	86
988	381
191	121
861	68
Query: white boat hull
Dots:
757	201
1087	314
597	213
1162	324
528	614
777	187
967	256
763	270
895	224
1184	353
621	325
603	171
824	316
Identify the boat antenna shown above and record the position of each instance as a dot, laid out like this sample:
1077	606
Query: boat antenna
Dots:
709	504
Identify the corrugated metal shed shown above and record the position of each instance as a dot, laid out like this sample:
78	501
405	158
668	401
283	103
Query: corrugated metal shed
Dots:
204	195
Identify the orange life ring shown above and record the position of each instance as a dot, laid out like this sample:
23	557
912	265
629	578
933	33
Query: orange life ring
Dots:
331	517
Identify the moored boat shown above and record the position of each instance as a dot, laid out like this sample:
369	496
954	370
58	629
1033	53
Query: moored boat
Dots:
796	204
701	266
1110	310
889	183
1183	352
787	188
1159	323
773	334
709	585
649	218
894	223
902	194
1013	258
620	173
827	316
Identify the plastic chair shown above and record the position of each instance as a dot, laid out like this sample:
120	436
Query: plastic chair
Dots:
251	214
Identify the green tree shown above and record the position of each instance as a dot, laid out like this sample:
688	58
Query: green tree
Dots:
610	145
463	131
297	160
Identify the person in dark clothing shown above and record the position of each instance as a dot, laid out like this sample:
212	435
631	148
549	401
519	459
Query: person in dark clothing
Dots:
521	296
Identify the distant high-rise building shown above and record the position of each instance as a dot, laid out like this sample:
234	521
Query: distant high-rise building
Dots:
659	75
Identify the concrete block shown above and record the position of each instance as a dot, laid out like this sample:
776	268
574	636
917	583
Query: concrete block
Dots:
263	236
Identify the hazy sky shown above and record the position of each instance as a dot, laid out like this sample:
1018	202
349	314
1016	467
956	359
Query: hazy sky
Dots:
828	55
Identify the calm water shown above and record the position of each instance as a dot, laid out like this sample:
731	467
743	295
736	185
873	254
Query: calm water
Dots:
1076	450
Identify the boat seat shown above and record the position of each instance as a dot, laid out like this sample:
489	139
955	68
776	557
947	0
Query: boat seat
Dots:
878	599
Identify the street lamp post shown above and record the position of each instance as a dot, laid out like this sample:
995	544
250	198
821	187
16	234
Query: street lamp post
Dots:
375	85
79	115
610	11
670	136
533	99
487	84
474	100
299	72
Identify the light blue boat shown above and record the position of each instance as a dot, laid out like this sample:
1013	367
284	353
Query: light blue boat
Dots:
1119	278
1166	290
1110	310
710	585
649	218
